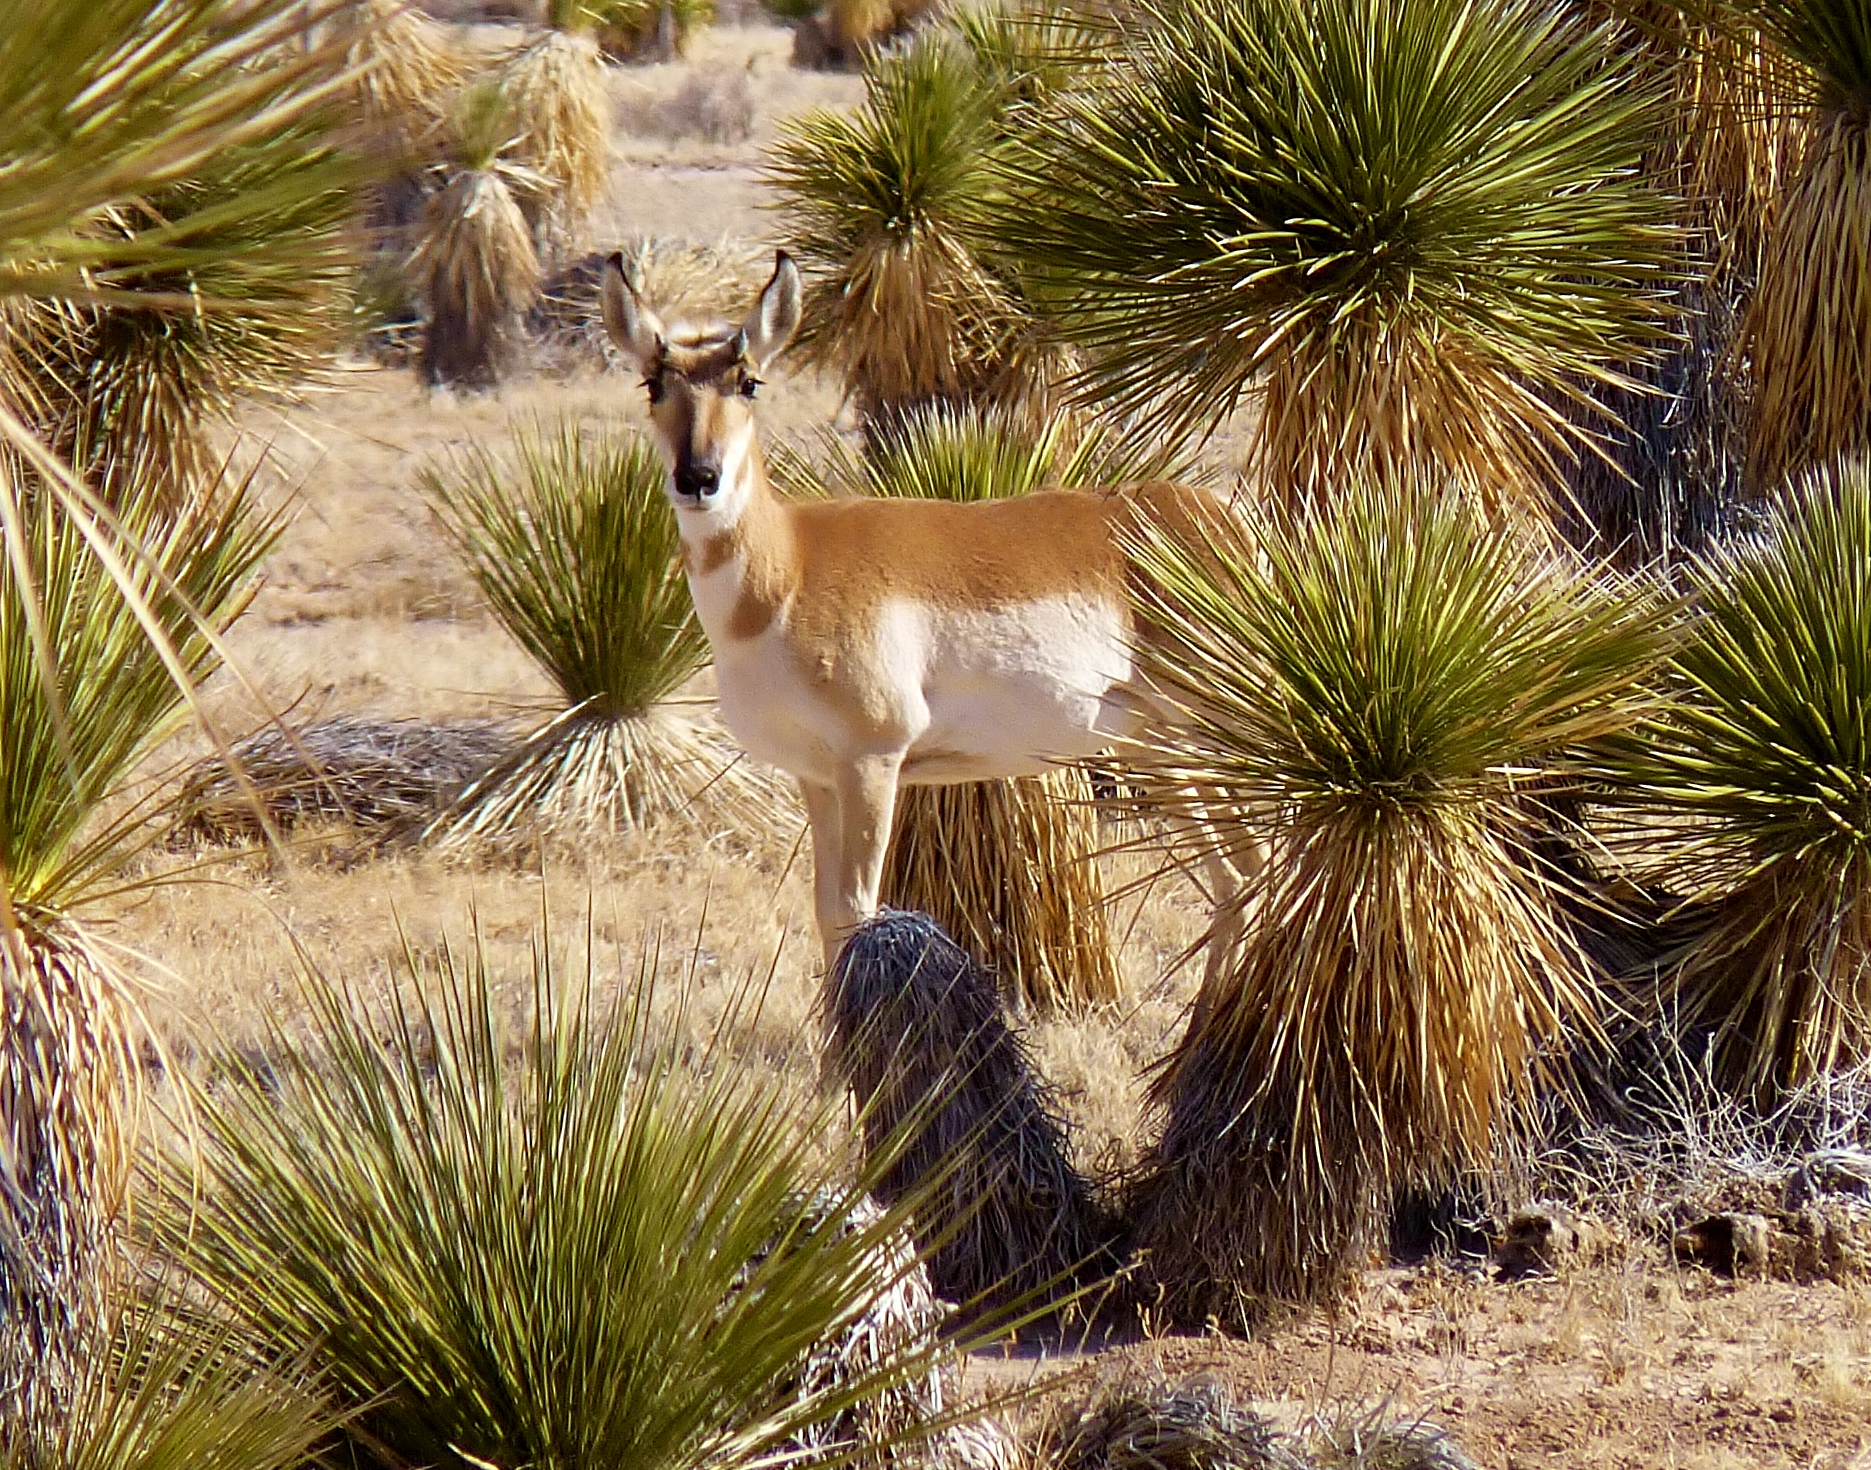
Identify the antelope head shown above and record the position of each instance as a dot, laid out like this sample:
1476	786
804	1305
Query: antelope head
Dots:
702	384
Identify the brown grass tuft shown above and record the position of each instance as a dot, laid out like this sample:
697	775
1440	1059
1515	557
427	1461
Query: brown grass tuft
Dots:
560	94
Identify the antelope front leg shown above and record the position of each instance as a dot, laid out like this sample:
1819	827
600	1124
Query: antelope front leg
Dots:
827	864
866	799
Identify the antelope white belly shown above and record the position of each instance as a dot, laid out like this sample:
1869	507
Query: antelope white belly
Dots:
1009	691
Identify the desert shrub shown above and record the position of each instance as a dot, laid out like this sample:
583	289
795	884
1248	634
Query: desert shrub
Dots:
1757	772
165	1383
1390	693
559	93
475	263
1808	325
890	209
579	1239
1406	233
87	689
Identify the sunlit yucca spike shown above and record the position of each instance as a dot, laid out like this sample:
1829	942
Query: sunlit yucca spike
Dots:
1407	232
1757	774
571	540
1385	691
1809	323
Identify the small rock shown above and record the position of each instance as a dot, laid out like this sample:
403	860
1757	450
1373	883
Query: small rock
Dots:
1539	1237
1729	1244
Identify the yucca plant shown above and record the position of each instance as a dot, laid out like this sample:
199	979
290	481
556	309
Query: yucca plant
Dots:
571	540
559	90
1757	772
128	391
1808	325
474	261
1388	691
74	734
633	30
889	208
1007	868
581	1240
169	1384
1407	232
109	616
405	70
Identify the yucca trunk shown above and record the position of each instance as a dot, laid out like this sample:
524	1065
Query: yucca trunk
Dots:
68	1069
1009	870
1809	323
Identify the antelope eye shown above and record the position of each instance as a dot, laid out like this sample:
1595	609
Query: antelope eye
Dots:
748	383
655	387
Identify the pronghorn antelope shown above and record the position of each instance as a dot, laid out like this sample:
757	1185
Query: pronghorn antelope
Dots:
860	644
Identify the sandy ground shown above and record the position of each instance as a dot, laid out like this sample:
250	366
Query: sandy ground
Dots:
1631	1365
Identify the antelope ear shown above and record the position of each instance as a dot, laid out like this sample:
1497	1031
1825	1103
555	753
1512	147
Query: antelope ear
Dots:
775	317
632	326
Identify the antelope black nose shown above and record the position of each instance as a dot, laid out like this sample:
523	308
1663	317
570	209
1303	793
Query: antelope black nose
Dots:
698	480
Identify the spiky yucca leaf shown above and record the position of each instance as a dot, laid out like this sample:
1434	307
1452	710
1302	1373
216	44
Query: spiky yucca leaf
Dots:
558	90
572	542
1761	762
107	102
1809	323
888	209
166	1384
1408	230
1375	689
559	1244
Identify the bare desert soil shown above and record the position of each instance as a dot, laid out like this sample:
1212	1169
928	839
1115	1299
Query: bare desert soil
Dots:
1633	1364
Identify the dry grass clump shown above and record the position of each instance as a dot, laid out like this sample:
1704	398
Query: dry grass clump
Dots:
694	282
1163	1426
403	69
1371	690
956	1120
1374	1443
387	775
638	30
572	541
